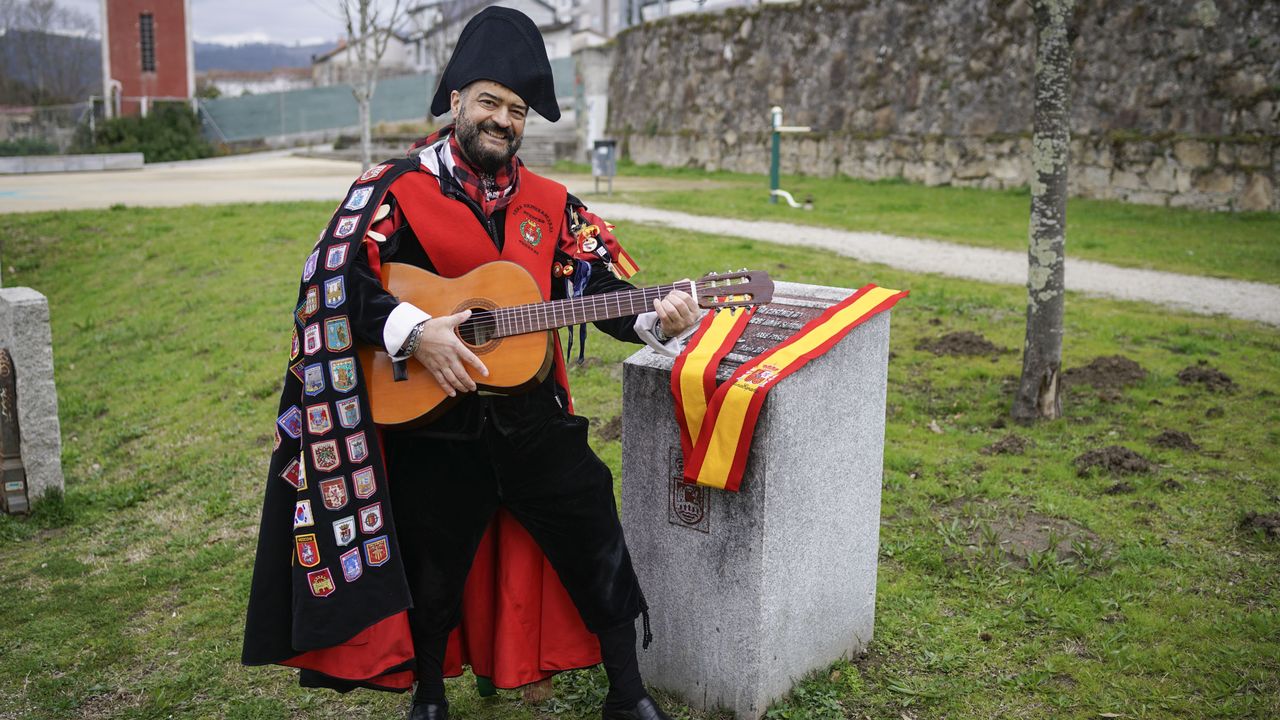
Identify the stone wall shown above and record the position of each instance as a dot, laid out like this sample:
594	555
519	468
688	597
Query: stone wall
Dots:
1174	103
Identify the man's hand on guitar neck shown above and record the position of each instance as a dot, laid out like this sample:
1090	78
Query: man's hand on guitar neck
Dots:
443	353
676	312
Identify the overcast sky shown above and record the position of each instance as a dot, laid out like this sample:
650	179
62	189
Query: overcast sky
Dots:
242	21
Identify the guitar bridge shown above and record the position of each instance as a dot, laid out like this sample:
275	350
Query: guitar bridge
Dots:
399	372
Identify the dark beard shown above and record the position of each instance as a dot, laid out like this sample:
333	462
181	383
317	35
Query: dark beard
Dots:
485	159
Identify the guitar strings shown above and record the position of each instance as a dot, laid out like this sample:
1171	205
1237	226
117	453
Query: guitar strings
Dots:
534	315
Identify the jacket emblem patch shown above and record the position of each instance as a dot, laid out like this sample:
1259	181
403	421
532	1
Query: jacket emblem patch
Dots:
371	519
357	447
319	419
348	412
344	530
335	292
321	582
337	333
364	482
308	550
343	374
334	492
302	515
351	567
324	456
377	551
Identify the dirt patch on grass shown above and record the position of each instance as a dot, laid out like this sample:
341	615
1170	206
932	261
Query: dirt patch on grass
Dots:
960	344
1202	373
1108	372
1174	440
1266	523
1112	460
1011	532
1008	445
611	429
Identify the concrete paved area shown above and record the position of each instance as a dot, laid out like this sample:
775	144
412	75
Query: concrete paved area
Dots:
269	177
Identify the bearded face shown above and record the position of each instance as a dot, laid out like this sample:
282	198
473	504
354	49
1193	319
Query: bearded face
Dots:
486	143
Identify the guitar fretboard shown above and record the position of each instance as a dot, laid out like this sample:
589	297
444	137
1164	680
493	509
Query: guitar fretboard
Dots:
522	319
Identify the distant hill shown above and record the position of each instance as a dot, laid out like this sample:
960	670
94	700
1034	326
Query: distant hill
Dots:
255	56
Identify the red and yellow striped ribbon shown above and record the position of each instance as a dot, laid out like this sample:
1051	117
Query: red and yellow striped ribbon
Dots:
716	424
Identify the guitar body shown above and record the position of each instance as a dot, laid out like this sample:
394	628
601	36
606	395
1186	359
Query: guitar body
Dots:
516	363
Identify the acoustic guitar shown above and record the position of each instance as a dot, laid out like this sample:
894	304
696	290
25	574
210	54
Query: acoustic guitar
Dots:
511	329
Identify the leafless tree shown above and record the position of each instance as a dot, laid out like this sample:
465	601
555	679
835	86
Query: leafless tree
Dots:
45	55
1038	392
370	26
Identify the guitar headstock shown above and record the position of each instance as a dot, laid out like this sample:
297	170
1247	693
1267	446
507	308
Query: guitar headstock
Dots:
740	288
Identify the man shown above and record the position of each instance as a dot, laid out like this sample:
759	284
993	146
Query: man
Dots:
462	199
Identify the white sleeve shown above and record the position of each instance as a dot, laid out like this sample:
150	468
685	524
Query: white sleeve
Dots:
399	323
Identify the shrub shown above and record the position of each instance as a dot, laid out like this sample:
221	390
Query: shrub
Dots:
169	132
27	146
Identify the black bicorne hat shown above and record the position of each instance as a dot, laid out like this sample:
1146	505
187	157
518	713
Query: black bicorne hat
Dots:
502	45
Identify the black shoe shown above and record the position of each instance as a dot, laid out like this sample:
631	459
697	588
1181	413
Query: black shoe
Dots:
429	711
646	709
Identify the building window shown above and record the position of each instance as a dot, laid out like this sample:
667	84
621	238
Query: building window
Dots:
148	36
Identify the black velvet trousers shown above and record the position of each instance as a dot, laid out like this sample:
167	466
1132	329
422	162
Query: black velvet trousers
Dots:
530	456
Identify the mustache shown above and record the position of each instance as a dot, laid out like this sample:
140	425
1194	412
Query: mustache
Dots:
493	127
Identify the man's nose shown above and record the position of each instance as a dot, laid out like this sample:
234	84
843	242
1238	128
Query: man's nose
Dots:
502	117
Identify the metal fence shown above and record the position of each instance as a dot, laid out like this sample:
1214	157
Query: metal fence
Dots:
52	124
324	110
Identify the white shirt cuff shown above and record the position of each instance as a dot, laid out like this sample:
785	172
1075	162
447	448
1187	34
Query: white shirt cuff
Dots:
647	323
400	323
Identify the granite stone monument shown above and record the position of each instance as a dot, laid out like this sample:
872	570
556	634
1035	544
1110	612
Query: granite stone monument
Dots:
749	591
24	331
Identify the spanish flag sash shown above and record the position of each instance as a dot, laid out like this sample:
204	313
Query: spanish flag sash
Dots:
716	424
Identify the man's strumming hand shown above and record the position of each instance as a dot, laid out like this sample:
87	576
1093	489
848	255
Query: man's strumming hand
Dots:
676	312
443	353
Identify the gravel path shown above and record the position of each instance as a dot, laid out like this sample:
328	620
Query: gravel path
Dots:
1202	295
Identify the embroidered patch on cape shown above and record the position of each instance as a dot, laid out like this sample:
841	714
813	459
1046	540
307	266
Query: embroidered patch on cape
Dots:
291	422
345	227
309	267
334	492
277	444
351	567
321	582
319	419
344	530
343	374
373	173
377	551
308	550
313	379
371	518
364	482
311	303
335	292
336	256
311	339
357	447
324	455
302	516
294	347
292	474
337	333
530	233
359	198
296	369
348	412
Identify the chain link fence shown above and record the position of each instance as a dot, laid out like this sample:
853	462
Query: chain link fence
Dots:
44	129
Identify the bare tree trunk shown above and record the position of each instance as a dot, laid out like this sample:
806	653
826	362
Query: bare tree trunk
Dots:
367	36
1038	393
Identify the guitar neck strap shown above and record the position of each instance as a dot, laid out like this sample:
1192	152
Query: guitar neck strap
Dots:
717	424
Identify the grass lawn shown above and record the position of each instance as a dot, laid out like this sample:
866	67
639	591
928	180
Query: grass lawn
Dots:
1232	245
1010	584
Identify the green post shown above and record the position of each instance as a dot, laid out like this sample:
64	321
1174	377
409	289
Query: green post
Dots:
775	120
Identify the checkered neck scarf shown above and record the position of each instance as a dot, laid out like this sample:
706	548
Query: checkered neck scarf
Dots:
491	192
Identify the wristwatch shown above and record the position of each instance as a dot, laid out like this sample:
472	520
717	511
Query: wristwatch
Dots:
658	335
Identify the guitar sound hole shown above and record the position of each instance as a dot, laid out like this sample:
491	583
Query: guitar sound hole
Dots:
478	329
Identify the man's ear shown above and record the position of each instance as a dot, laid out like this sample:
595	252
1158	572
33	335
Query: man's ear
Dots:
455	102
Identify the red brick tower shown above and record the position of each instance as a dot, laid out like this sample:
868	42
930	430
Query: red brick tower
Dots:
146	54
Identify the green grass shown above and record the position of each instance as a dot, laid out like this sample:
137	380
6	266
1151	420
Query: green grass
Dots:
125	598
1232	245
